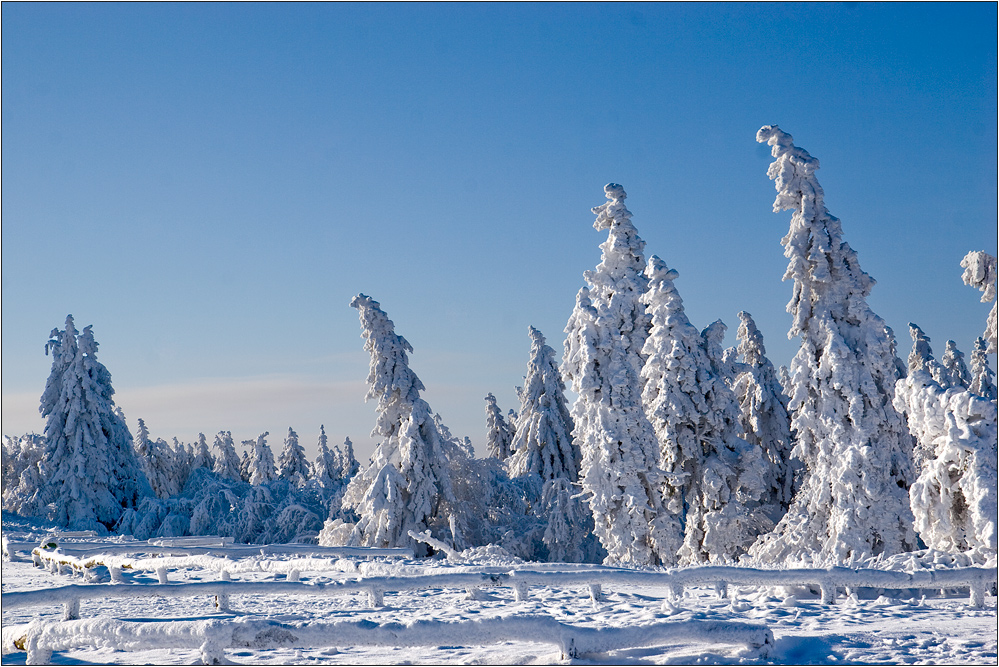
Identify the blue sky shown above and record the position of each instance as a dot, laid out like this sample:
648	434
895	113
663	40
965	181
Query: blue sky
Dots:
209	184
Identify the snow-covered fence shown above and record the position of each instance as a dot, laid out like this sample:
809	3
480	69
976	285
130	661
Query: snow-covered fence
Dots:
39	639
122	556
828	580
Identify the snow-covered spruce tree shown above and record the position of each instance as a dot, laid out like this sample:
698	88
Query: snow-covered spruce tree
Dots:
957	371
158	463
407	486
603	359
226	460
714	479
292	464
261	467
22	475
853	500
543	448
326	468
89	470
542	443
982	377
202	457
244	461
764	419
980	271
954	498
499	433
346	460
921	357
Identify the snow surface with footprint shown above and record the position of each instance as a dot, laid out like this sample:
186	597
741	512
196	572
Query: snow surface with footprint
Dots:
930	630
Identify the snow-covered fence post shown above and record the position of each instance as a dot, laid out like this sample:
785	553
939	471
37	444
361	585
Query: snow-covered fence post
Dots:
37	653
721	588
376	597
596	593
828	592
294	575
217	637
36	560
977	594
71	609
520	591
222	598
676	590
115	574
161	574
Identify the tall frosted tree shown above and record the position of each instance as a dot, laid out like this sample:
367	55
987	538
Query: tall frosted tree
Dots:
326	468
261	468
714	479
292	464
982	377
764	418
202	457
542	443
921	357
603	359
407	486
855	445
543	449
957	371
499	434
89	470
159	463
227	462
980	272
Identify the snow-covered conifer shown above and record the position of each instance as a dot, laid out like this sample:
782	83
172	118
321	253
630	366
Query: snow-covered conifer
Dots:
261	467
764	419
499	434
542	443
921	357
714	479
158	462
954	498
23	482
227	462
89	470
292	464
407	482
980	272
957	371
603	358
543	448
347	461
982	377
244	461
202	457
853	500
326	468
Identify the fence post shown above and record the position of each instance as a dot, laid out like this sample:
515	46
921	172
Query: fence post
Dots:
37	654
596	593
376	597
294	575
828	593
115	574
721	589
71	609
520	591
161	573
976	594
221	603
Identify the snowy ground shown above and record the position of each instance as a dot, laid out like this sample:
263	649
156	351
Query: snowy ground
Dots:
934	630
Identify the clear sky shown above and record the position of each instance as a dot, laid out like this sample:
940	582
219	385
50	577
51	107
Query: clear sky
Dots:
208	184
